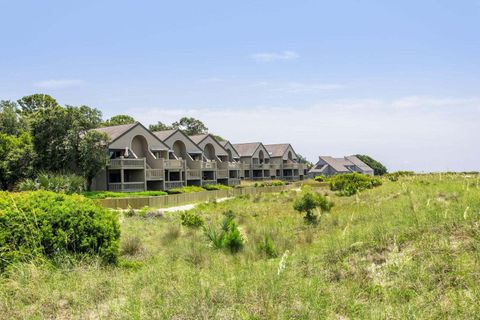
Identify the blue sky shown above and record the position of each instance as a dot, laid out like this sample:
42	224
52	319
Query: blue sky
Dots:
397	80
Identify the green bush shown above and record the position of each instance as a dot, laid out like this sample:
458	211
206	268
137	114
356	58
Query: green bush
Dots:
216	187
350	183
61	183
267	247
277	183
310	201
186	189
394	176
228	237
320	178
42	223
191	219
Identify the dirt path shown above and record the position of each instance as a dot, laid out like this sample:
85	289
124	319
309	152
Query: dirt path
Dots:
187	206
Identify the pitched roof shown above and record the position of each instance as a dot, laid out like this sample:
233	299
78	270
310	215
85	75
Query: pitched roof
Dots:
338	164
114	132
246	149
359	163
199	138
227	145
277	150
162	135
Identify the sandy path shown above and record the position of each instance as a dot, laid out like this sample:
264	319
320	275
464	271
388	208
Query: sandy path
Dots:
187	206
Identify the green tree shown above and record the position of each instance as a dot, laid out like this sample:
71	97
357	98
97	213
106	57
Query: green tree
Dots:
310	201
57	132
118	120
304	160
159	126
93	155
378	168
190	126
11	121
35	102
16	159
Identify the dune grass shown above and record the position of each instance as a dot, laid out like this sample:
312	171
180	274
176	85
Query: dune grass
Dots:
407	249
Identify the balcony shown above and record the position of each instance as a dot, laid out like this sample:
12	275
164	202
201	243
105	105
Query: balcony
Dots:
126	186
194	174
246	166
233	182
173	164
290	165
209	165
173	184
259	166
126	163
155	174
222	174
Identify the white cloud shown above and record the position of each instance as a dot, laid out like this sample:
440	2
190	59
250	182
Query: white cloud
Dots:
58	83
297	87
421	139
274	56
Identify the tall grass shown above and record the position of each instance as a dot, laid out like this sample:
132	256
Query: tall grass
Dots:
407	249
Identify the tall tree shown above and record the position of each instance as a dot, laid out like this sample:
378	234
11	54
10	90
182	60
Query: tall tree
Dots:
304	160
159	126
93	155
190	126
35	102
118	120
10	120
16	159
378	168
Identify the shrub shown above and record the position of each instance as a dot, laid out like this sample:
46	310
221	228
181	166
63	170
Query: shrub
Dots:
394	176
350	183
186	189
216	187
191	219
61	183
310	201
131	246
378	168
268	248
277	183
228	237
320	178
42	223
110	194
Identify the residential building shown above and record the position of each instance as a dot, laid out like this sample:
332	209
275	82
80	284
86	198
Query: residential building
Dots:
139	159
329	166
284	162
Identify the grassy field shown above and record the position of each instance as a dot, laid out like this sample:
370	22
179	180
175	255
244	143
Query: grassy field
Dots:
406	249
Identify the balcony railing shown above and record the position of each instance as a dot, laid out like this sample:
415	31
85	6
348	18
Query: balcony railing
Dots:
209	165
194	174
246	166
261	166
233	182
222	174
290	165
155	174
126	186
173	164
173	184
205	182
126	163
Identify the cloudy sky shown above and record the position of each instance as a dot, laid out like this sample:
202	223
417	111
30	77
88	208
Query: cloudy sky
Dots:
398	80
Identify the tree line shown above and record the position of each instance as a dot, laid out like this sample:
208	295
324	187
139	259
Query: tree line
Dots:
37	134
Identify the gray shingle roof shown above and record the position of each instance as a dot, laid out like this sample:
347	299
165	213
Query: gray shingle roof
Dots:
338	164
162	135
277	150
246	149
114	132
359	163
198	138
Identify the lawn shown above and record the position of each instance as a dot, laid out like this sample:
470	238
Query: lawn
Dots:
407	249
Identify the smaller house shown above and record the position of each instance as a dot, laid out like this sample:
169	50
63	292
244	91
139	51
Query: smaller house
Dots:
328	166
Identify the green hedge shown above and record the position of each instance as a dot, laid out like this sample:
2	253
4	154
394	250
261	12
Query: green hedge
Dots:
110	194
350	183
43	223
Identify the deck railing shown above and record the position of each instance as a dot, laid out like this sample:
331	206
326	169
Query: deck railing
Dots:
155	174
209	165
126	186
126	163
222	174
194	174
173	184
173	164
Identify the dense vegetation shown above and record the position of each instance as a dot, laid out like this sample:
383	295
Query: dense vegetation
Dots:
37	134
406	249
47	224
378	168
